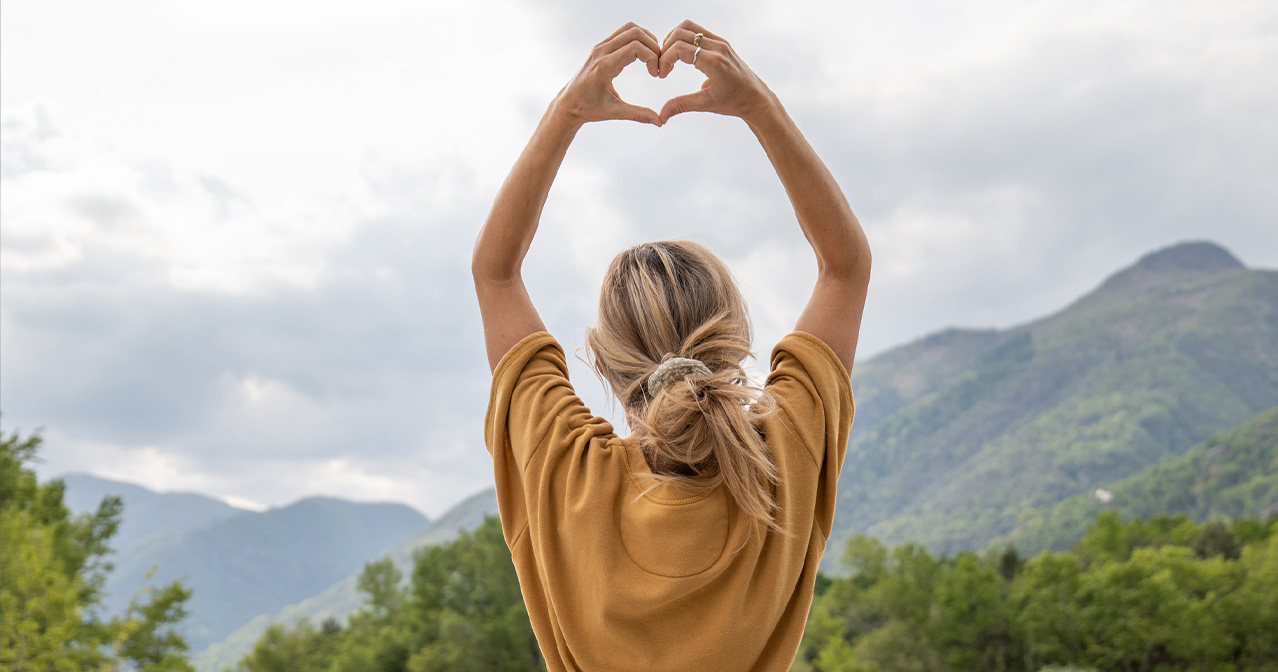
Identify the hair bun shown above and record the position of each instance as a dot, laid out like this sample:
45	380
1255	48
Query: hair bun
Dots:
675	367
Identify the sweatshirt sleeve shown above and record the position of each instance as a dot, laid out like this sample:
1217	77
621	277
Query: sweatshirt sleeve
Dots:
814	391
534	419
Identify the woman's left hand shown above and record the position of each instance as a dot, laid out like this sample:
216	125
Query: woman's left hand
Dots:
731	87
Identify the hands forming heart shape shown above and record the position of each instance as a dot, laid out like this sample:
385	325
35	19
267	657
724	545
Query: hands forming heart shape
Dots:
730	86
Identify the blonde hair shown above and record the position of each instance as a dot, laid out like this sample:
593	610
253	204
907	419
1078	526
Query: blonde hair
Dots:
677	299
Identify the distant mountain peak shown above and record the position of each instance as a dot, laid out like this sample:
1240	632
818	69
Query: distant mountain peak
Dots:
1191	259
1200	255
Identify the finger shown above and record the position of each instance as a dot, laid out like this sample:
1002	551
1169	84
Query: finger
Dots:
685	35
668	56
688	102
629	35
677	49
635	34
614	63
624	110
696	28
627	26
676	34
651	42
706	61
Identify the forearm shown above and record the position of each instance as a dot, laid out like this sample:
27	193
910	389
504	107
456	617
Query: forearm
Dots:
824	214
508	232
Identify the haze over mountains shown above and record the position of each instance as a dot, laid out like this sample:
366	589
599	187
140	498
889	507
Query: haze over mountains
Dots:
962	439
239	563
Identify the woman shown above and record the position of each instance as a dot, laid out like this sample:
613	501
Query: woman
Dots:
694	543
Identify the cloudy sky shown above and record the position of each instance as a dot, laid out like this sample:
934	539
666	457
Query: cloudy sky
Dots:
235	236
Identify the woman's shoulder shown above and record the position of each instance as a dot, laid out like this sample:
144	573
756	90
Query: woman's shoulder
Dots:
519	354
809	352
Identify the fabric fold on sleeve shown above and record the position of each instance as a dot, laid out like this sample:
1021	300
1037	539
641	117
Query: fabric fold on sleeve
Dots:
508	470
537	428
814	390
505	379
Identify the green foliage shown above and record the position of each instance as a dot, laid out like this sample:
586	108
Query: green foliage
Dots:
1232	474
1162	593
150	640
1159	593
462	611
970	617
54	567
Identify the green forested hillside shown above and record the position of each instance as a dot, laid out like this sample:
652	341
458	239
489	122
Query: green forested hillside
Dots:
965	430
1233	474
901	376
338	600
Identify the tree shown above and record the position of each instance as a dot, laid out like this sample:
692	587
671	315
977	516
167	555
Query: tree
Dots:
53	567
467	596
1143	595
970	615
149	638
1044	599
462	612
296	649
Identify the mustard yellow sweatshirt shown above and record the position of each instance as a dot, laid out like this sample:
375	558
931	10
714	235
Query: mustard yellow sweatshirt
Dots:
618	579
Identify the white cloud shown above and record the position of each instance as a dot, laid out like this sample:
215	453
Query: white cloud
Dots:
236	237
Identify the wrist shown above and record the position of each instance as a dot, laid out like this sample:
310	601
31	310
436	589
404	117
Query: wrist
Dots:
563	115
767	115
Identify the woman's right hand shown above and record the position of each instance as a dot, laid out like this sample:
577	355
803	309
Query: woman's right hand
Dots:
590	96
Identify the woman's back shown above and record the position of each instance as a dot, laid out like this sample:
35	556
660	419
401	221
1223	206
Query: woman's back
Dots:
620	574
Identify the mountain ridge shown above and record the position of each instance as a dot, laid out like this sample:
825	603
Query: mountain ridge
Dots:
246	562
148	512
1161	354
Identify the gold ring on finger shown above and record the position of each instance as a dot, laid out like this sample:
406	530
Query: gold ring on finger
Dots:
696	39
695	54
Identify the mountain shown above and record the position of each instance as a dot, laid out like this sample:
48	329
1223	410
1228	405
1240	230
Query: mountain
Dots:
1233	474
244	564
147	513
891	381
958	433
342	597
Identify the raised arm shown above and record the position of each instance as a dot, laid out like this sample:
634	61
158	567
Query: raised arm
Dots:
833	312
507	310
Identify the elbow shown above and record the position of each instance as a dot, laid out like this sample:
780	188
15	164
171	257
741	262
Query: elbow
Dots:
865	259
485	270
482	267
852	262
477	267
494	259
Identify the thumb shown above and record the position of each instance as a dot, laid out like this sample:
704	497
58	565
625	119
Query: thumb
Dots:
636	113
688	102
